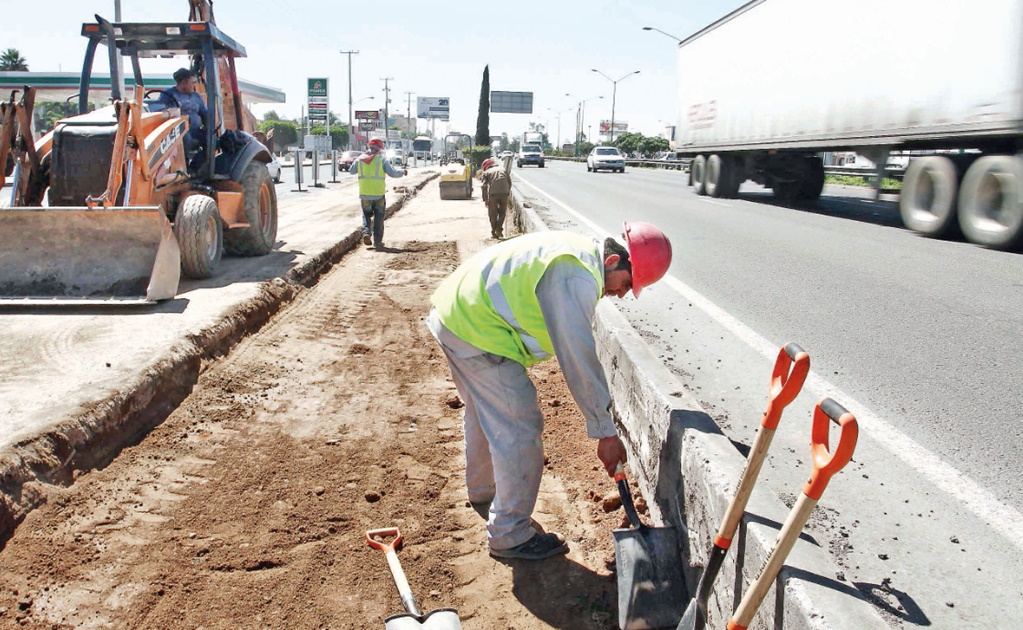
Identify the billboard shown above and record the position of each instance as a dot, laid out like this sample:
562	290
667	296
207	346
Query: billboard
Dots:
317	99
433	107
367	114
511	102
605	126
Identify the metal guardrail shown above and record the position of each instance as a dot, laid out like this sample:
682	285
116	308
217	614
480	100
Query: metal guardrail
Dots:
683	165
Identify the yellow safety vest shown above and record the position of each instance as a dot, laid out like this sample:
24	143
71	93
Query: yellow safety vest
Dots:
371	177
490	300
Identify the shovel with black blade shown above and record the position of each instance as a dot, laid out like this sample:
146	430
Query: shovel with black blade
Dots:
411	619
790	370
649	567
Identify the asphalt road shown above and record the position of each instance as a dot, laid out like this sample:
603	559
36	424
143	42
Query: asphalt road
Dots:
919	338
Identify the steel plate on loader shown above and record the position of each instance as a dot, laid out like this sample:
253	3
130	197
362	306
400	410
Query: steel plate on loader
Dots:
87	255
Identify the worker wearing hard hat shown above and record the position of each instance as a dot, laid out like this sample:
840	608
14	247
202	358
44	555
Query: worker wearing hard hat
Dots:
515	304
371	168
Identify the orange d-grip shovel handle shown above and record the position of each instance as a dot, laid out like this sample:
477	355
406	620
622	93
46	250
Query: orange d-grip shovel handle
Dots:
386	532
825	462
790	370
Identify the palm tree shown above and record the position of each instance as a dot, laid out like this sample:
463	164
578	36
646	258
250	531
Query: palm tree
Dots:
11	59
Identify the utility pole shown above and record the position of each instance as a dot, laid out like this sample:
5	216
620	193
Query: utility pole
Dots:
387	100
351	132
117	10
408	115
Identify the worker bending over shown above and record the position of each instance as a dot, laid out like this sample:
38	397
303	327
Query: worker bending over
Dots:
514	304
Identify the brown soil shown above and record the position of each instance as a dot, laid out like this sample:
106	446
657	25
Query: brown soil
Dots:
248	506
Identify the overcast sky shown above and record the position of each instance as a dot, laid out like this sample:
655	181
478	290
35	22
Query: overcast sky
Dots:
429	48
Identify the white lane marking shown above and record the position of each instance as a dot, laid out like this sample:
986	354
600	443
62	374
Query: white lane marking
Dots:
1003	518
717	203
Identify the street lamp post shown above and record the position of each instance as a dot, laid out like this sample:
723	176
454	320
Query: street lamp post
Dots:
651	28
614	96
351	132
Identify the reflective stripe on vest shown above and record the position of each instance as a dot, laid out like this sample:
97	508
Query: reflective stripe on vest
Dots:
490	301
371	182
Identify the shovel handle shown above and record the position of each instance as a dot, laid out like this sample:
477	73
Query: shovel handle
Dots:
826	463
790	370
400	581
386	532
626	495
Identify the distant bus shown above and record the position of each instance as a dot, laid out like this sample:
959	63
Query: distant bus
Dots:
422	147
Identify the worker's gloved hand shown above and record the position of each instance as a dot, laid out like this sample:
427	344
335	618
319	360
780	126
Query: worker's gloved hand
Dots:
610	451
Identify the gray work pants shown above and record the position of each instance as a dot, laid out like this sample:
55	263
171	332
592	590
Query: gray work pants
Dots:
373	211
503	445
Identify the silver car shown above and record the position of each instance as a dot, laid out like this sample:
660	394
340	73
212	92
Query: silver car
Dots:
605	158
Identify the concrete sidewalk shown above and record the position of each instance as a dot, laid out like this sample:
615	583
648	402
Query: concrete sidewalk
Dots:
77	384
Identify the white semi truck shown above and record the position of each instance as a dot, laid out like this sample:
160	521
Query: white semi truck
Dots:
767	87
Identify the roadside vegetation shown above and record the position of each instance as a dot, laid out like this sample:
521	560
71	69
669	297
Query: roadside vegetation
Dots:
866	182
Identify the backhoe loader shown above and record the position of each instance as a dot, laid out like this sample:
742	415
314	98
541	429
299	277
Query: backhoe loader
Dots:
109	205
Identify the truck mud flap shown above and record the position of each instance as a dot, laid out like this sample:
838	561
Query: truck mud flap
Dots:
84	255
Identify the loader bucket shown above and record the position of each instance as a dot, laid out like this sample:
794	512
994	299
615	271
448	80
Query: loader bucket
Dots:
87	255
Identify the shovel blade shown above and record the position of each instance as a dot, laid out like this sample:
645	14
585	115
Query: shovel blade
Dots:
689	617
651	589
440	619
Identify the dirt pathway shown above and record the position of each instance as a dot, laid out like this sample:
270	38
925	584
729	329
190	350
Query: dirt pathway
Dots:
247	507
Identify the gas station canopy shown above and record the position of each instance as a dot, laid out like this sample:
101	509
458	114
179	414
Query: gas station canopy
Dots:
61	86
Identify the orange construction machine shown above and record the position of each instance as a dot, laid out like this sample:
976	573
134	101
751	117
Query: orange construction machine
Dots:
114	204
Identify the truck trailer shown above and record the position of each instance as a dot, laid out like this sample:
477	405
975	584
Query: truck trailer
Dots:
766	88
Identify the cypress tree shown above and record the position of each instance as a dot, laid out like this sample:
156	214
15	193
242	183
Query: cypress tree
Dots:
483	120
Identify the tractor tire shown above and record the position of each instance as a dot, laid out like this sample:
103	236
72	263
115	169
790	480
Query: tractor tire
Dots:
200	236
259	200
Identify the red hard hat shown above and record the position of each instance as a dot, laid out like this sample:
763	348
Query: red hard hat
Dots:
487	163
376	142
649	253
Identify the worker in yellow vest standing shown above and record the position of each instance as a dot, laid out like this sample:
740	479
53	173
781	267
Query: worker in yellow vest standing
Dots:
371	168
514	304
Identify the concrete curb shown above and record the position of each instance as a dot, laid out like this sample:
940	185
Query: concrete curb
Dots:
688	470
93	438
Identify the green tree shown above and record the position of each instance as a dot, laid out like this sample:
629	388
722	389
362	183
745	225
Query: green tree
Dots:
11	59
483	119
271	116
628	142
338	135
651	145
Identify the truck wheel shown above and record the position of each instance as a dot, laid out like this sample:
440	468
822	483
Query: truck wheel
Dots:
697	174
928	199
259	200
200	236
718	175
812	182
786	192
991	202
